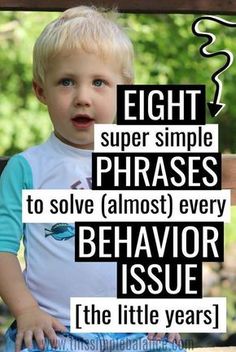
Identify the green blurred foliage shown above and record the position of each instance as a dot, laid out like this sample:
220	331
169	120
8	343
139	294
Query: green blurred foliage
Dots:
23	121
166	52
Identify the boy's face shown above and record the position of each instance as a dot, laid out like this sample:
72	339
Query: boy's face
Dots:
79	91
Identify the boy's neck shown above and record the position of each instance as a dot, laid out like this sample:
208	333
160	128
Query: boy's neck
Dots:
65	141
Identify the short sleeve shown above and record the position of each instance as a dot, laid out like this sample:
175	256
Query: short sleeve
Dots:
16	176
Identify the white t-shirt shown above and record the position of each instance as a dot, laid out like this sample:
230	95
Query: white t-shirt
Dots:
51	273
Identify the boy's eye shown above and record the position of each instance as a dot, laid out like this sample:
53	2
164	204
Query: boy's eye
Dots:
66	82
98	82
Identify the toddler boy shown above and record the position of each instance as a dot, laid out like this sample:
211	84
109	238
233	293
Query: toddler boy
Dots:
78	61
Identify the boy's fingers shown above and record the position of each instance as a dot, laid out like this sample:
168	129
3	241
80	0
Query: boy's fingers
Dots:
28	335
39	337
151	336
58	326
50	332
155	336
19	340
174	337
171	337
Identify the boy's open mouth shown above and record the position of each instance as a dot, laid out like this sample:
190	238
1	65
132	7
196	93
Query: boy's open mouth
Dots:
82	121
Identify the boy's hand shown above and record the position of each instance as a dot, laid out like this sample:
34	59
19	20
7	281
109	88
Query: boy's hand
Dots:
34	323
173	337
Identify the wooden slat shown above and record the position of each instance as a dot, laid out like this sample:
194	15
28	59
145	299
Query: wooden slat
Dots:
233	197
229	175
136	6
229	170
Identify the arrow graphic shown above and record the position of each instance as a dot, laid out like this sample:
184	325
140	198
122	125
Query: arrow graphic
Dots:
214	106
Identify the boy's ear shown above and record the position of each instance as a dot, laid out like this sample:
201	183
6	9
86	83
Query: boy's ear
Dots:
39	92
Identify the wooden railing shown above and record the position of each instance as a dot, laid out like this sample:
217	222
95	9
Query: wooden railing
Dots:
229	175
136	6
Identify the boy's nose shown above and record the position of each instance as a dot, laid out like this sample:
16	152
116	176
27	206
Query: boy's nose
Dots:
82	97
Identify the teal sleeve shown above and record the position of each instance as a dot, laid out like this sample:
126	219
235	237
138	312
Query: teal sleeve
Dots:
17	175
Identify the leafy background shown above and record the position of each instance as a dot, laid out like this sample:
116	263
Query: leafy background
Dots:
166	52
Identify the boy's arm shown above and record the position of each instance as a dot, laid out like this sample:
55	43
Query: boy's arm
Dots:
12	287
32	322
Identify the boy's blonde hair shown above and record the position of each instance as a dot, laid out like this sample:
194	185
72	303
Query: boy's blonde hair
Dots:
89	29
